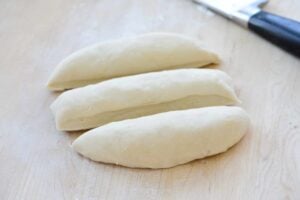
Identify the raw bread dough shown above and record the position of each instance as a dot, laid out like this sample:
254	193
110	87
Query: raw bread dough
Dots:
145	53
140	95
166	139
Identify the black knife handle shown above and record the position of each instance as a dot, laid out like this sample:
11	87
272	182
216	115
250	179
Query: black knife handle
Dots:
281	31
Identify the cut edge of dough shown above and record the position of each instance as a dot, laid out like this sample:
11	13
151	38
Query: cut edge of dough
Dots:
136	112
53	85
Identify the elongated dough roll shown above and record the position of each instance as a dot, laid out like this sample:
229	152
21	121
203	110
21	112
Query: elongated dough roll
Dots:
139	95
145	53
166	139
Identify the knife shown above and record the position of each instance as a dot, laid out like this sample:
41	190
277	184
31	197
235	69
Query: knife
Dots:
281	31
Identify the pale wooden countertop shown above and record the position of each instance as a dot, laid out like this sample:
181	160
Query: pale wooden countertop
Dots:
36	161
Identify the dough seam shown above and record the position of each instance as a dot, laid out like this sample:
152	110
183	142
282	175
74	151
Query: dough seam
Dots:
137	109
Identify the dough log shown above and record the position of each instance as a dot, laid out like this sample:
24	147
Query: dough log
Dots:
145	53
139	95
166	139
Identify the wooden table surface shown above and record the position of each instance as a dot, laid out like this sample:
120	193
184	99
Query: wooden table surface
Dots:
36	161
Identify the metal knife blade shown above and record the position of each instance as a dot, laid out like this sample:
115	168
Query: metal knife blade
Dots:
236	10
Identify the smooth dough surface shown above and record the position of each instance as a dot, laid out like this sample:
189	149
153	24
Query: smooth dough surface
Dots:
128	56
166	139
140	95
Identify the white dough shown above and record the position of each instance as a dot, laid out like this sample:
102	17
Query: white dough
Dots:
145	53
140	95
166	139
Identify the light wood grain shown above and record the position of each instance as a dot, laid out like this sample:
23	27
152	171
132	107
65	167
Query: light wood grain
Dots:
36	161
